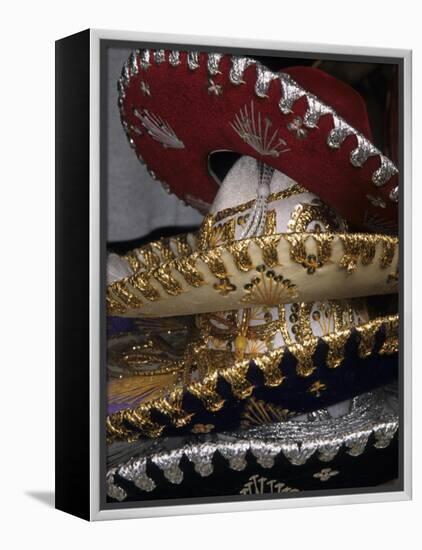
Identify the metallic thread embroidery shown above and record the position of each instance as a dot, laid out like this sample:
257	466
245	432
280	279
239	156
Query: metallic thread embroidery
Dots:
259	138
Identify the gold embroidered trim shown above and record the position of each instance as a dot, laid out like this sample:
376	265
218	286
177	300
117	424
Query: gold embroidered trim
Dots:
167	281
205	232
151	259
163	247
268	288
280	195
114	305
141	282
206	391
366	339
182	245
257	413
119	424
298	253
269	365
336	343
215	263
133	261
186	267
127	298
391	341
270	223
312	251
269	250
356	247
304	214
240	253
236	377
388	252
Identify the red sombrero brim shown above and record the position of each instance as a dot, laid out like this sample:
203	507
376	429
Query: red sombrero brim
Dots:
179	107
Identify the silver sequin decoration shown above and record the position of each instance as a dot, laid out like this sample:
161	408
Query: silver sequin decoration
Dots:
159	56
316	109
384	172
239	66
363	151
193	60
121	88
169	464
133	63
213	63
394	194
201	458
339	133
174	58
144	59
291	92
263	79
113	490
374	414
135	471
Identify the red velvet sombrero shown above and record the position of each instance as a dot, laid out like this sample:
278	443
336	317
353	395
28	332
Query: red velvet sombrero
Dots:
179	107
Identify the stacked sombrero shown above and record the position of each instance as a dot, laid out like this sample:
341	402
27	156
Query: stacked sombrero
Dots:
274	308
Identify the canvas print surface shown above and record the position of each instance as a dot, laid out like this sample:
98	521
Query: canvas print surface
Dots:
252	275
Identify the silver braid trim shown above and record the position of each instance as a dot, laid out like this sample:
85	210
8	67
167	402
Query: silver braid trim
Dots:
373	414
290	92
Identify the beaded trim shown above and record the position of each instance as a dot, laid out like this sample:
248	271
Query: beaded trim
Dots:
290	92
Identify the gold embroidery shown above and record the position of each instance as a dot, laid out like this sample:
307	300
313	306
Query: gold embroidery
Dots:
258	413
113	306
280	195
355	247
140	418
141	282
236	377
151	259
163	247
122	294
239	251
268	288
304	214
186	266
269	364
270	223
183	247
134	261
205	232
167	281
387	252
366	339
206	391
215	264
298	253
391	341
171	406
336	343
306	344
269	250
224	286
120	425
221	234
316	388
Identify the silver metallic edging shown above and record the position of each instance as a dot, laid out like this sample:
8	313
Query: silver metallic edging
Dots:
291	91
374	414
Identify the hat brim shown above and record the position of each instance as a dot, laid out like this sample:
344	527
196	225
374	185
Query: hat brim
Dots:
179	107
356	449
300	377
167	279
